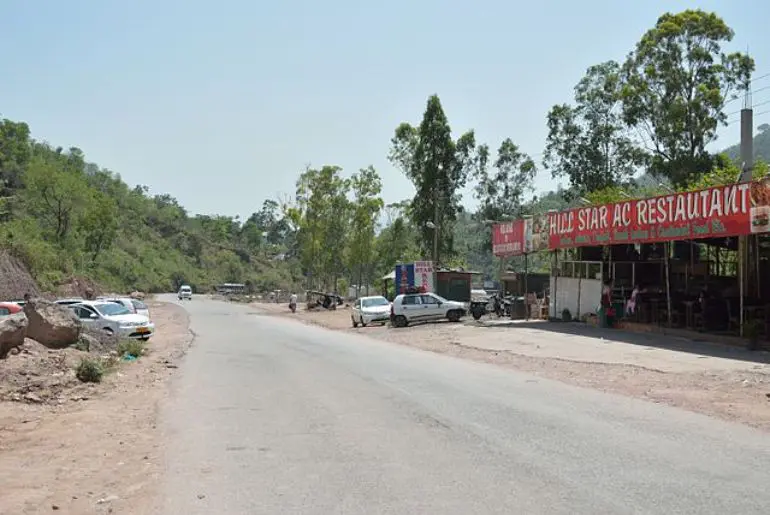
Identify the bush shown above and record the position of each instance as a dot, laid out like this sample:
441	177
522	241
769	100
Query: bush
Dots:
90	370
131	348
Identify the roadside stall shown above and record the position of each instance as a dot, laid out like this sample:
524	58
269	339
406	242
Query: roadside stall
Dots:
691	259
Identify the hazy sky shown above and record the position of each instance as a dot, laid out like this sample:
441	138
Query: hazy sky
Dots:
222	104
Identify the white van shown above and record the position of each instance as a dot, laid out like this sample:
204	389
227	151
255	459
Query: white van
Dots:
185	292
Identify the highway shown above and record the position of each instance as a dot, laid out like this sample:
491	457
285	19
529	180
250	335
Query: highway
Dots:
271	416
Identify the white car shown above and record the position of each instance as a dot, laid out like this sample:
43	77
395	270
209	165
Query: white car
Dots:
185	292
424	307
133	305
113	318
370	309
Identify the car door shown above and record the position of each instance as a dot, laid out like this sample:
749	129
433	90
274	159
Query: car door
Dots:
357	309
433	309
412	309
85	316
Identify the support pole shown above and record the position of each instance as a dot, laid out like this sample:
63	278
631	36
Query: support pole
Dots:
667	250
526	288
741	245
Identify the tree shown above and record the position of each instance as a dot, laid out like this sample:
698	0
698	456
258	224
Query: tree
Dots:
763	128
589	143
99	223
677	81
54	195
501	193
438	167
320	215
367	205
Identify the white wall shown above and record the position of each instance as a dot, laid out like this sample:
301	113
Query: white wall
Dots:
564	295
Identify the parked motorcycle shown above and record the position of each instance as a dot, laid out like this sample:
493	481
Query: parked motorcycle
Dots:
293	307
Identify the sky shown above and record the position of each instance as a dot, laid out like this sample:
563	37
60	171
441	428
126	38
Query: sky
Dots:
222	104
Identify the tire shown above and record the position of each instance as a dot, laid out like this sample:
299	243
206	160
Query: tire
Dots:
363	324
454	316
144	338
400	321
353	320
108	330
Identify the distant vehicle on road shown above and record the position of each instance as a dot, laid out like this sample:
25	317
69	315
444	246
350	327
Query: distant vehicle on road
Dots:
367	310
185	292
113	318
424	307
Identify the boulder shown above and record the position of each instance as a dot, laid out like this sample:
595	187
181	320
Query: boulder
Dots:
137	295
50	324
12	331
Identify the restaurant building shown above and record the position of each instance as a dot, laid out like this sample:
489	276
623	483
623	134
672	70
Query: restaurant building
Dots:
695	260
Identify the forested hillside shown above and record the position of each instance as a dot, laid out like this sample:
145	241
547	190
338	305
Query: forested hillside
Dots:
761	145
65	218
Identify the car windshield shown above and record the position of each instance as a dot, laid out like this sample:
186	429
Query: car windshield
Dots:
185	289
110	309
377	301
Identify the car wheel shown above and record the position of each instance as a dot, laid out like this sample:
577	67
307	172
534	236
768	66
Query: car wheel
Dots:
353	320
454	316
109	330
400	321
363	324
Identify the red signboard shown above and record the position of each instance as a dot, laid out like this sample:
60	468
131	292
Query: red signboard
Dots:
509	238
721	211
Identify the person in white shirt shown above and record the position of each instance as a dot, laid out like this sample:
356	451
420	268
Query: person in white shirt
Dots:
293	301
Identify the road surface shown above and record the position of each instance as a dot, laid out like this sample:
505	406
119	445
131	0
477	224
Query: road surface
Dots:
270	416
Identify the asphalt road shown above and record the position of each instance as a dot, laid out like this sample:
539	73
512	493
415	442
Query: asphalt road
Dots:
272	416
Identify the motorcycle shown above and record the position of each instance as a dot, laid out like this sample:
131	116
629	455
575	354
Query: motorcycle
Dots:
293	307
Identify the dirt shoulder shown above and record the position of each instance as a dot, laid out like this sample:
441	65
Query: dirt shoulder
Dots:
731	384
81	449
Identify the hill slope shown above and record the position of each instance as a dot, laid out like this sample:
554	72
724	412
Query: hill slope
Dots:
64	218
761	145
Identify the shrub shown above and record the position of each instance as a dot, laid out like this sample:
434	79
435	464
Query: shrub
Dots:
90	370
131	348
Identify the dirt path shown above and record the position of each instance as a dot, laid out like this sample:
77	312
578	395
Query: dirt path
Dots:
95	449
725	388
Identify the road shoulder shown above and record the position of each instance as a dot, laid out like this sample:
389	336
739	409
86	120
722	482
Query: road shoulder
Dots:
98	452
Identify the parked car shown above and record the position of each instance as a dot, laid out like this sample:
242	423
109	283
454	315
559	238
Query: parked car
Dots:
185	292
133	305
370	309
424	307
113	318
9	308
69	302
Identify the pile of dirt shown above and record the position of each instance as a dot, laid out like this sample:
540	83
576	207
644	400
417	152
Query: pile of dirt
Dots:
15	280
35	374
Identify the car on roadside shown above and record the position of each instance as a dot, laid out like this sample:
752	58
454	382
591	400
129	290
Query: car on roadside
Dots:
113	318
185	292
424	307
10	308
69	302
367	310
133	305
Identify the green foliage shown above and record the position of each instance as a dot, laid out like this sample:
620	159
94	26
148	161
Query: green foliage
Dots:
438	167
588	143
64	217
133	348
501	194
90	370
677	81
